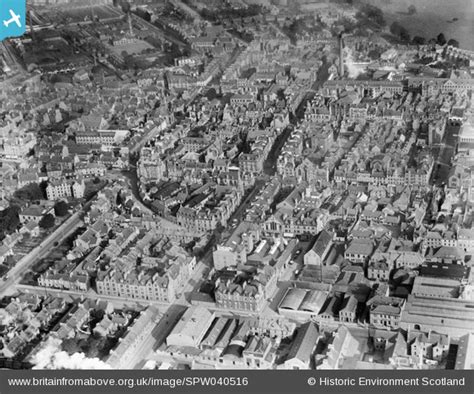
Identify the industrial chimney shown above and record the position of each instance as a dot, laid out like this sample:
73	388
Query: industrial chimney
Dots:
341	56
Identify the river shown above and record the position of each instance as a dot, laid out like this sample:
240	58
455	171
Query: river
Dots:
433	17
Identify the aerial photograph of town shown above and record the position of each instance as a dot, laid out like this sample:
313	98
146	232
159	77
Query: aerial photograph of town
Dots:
237	185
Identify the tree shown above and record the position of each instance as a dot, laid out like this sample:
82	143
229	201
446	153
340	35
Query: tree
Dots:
395	28
30	192
399	31
9	220
71	346
143	14
372	13
374	54
441	39
211	94
348	24
404	35
208	14
126	7
47	221
61	208
417	40
454	43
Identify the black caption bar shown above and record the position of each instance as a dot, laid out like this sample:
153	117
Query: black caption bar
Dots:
276	381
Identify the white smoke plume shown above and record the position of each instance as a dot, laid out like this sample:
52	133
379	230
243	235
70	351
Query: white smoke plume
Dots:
150	364
353	69
50	356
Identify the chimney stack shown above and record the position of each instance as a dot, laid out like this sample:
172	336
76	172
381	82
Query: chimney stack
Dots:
341	56
130	25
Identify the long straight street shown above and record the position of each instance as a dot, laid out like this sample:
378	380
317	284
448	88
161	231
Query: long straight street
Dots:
42	250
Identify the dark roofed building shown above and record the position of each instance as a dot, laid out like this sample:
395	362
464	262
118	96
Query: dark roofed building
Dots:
330	310
320	249
300	355
444	270
349	308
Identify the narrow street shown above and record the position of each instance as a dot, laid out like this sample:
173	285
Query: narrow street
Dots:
444	154
269	166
